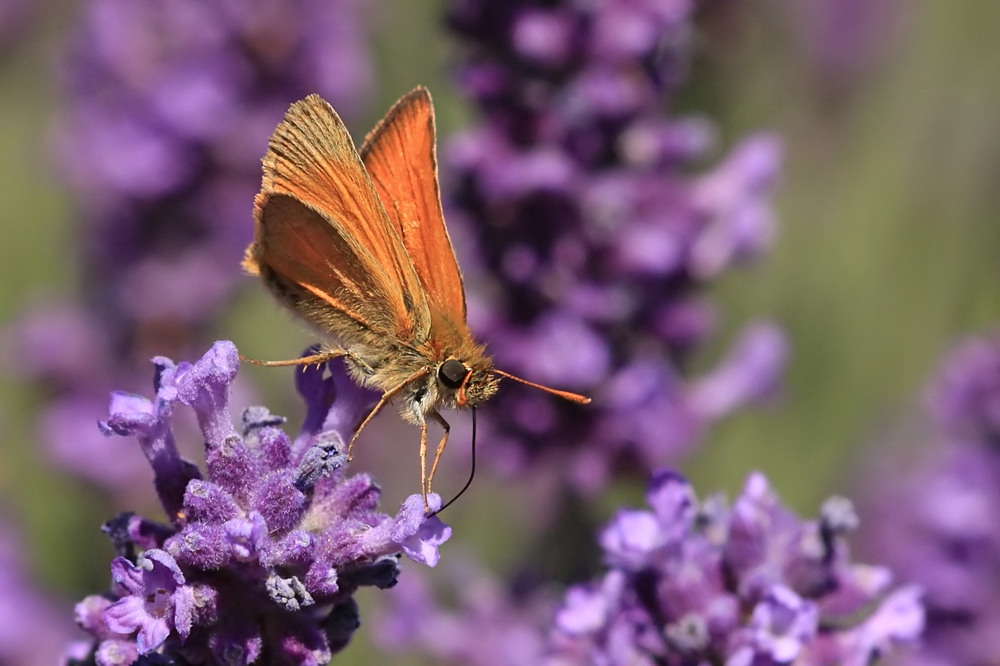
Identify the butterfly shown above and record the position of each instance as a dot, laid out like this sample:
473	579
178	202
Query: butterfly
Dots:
354	242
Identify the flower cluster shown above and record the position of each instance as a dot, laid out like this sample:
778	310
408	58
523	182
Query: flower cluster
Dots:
743	585
687	582
262	555
166	112
577	196
934	520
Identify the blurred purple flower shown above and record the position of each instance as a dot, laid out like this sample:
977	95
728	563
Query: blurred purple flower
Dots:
32	627
750	584
166	112
264	552
14	15
965	398
488	626
933	517
576	190
844	39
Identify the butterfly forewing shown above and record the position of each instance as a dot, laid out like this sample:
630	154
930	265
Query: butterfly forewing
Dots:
401	160
321	229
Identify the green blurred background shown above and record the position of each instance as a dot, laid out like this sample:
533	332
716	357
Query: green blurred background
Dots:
887	249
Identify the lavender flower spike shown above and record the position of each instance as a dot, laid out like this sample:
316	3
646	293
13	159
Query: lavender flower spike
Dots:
935	518
577	192
745	585
266	548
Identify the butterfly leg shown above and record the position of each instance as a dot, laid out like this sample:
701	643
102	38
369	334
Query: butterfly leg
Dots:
440	449
322	357
423	466
382	402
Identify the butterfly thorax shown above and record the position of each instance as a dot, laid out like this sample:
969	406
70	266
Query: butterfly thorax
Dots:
419	378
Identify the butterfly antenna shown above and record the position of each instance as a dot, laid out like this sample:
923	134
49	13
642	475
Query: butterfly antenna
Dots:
472	472
565	395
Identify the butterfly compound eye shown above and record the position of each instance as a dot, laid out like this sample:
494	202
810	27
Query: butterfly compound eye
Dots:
452	373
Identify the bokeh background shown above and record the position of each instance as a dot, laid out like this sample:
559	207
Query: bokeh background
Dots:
887	248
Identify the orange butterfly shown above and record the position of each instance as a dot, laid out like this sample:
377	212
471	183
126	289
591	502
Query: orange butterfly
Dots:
356	245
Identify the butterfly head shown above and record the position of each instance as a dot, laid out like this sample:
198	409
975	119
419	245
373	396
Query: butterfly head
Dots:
471	384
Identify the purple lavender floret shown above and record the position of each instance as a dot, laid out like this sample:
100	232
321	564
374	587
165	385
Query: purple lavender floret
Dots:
265	548
578	195
747	585
153	604
934	516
